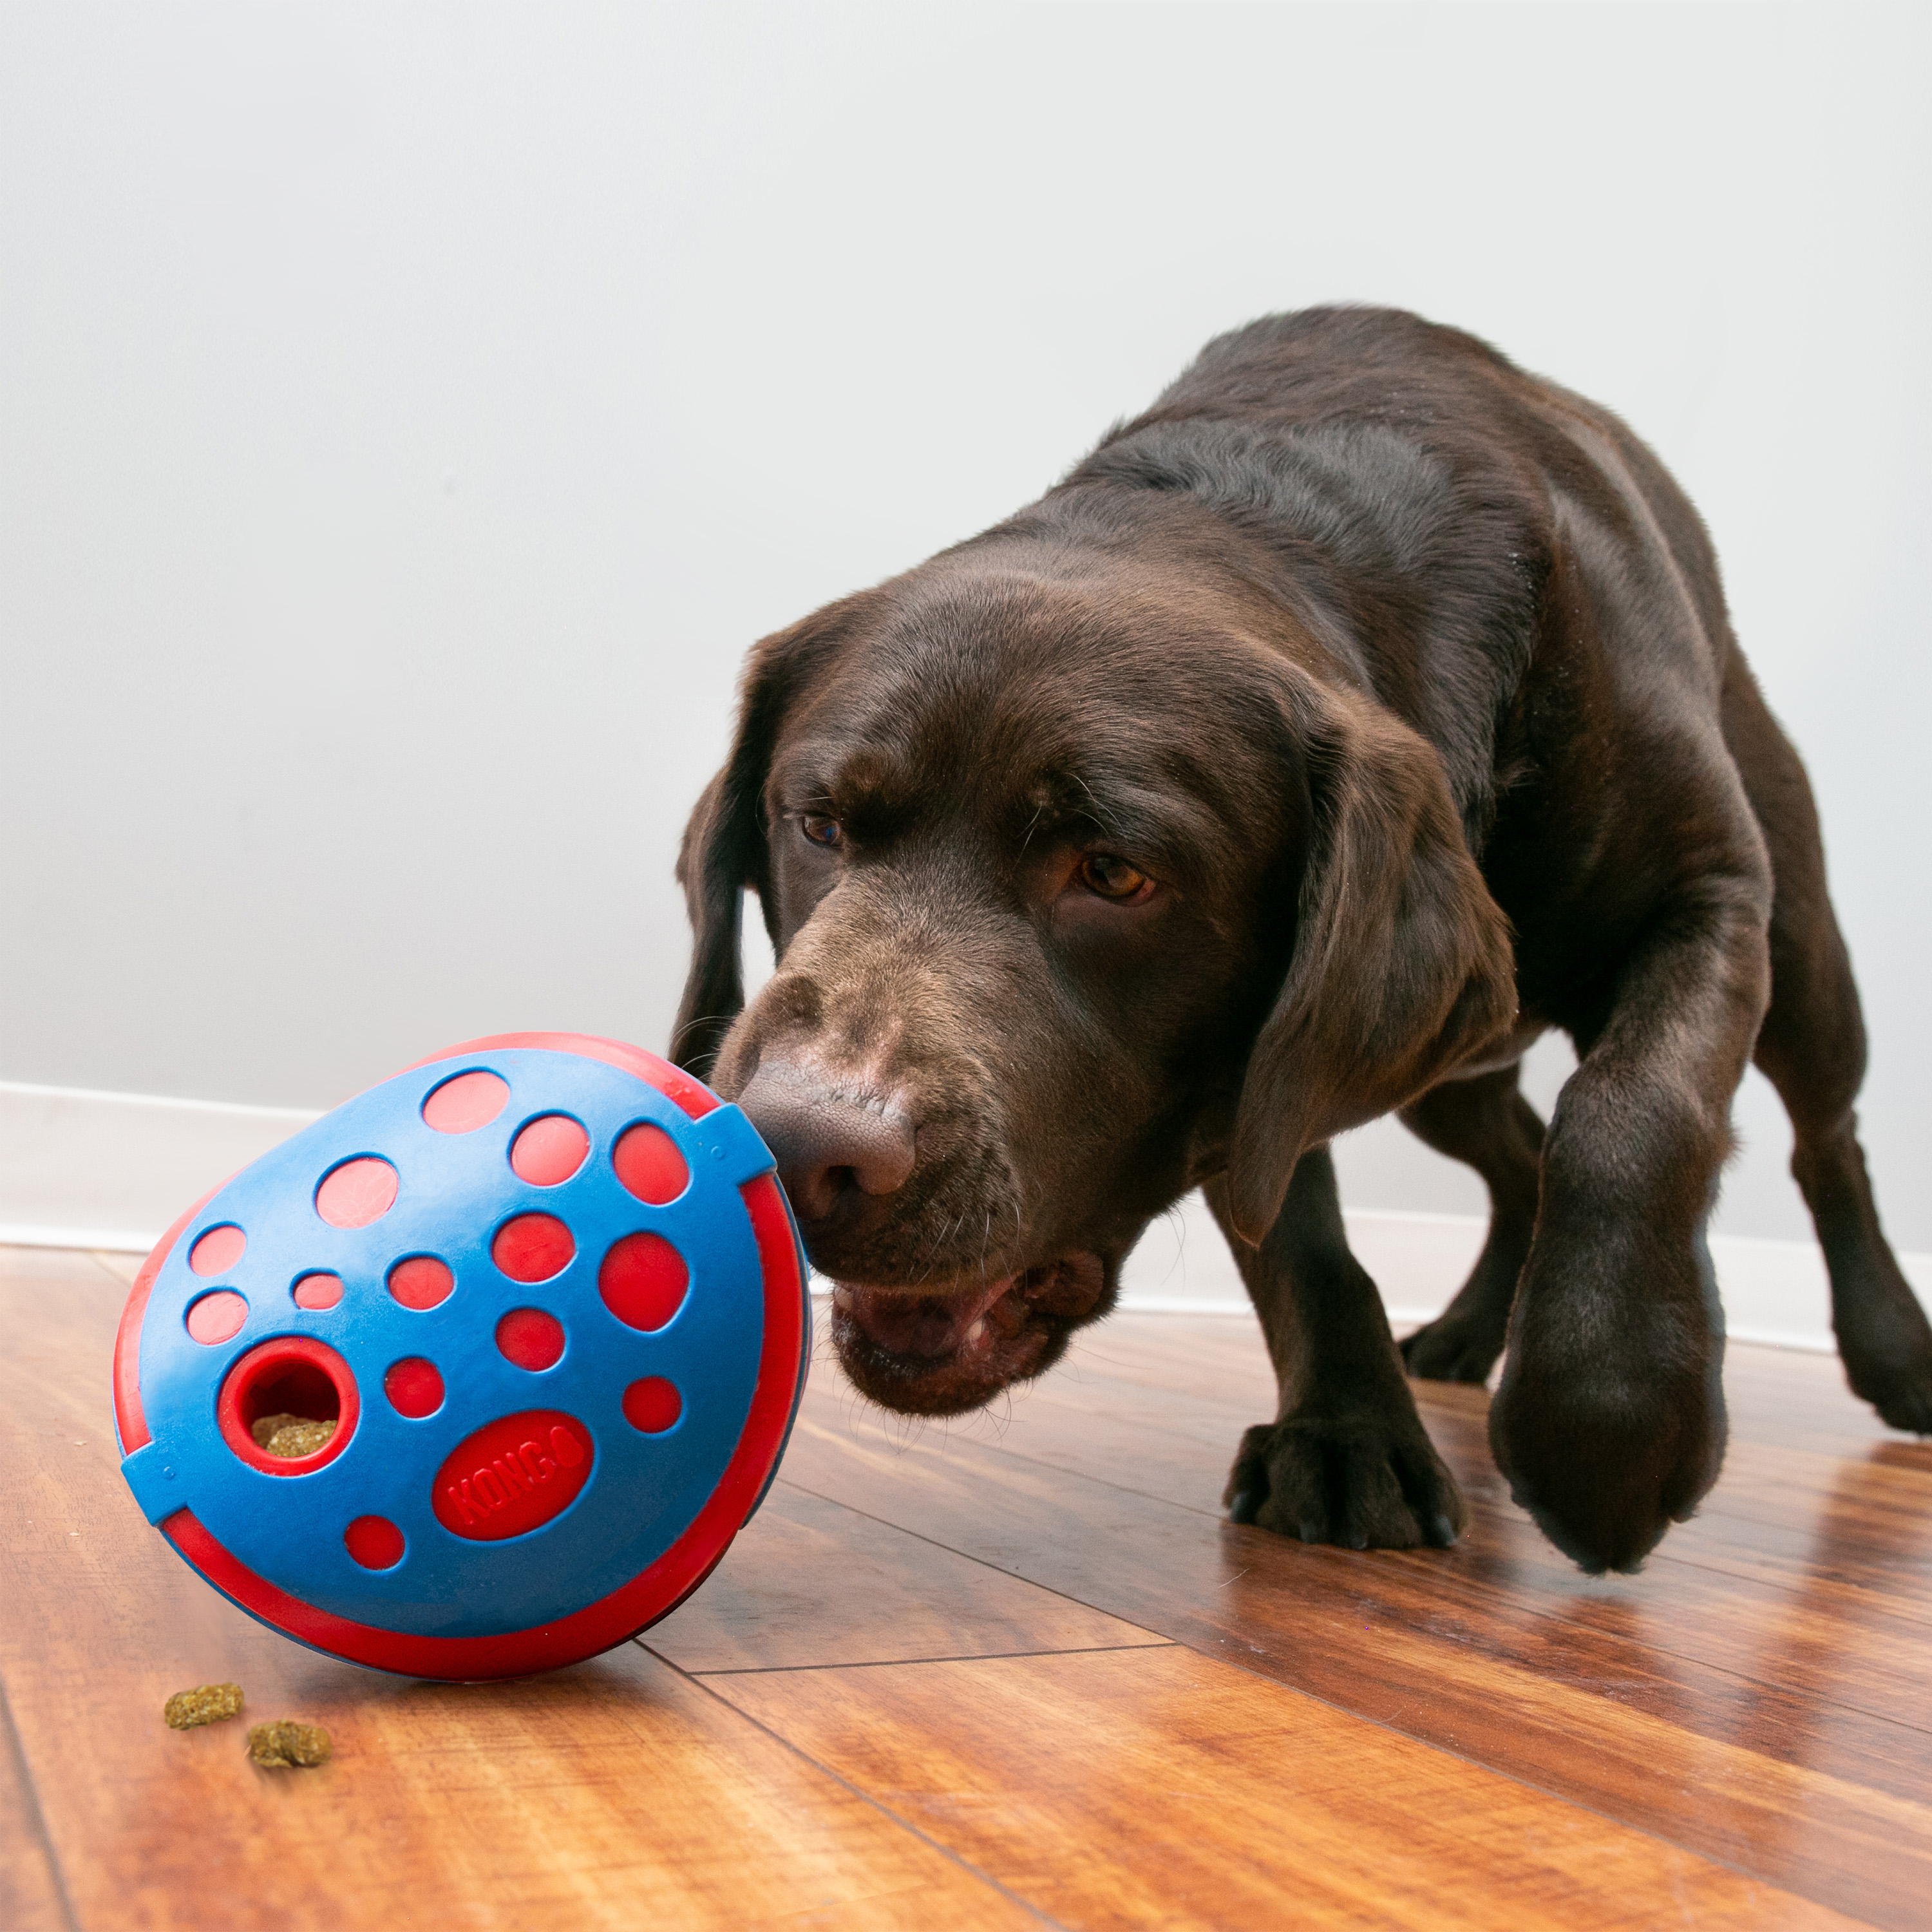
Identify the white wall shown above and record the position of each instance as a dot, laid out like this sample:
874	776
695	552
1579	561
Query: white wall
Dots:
410	412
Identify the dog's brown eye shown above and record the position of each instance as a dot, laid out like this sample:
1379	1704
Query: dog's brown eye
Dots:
1113	878
821	830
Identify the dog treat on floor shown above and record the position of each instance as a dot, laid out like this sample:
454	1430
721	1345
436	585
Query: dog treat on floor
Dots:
290	1436
207	1704
286	1745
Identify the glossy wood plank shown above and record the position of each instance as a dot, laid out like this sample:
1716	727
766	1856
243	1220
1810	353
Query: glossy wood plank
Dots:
30	1890
619	1793
1757	1770
810	1582
1757	1697
1783	1517
1127	1789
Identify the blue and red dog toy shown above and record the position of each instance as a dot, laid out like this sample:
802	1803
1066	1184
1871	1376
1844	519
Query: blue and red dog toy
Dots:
547	1291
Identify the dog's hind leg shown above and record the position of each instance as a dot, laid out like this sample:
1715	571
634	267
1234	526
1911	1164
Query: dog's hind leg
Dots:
1812	1048
1346	1460
1485	1121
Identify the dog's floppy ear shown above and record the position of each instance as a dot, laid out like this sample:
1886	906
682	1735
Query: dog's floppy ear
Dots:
725	848
1402	963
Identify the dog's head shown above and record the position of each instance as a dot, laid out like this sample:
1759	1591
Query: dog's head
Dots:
1081	890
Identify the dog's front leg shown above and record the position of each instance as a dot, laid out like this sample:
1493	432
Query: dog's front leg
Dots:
1346	1460
1609	1420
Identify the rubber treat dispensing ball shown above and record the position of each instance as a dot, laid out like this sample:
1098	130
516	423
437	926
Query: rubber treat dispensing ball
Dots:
547	1293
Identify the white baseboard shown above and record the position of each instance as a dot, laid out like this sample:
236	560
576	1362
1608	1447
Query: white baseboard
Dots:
1773	1291
110	1171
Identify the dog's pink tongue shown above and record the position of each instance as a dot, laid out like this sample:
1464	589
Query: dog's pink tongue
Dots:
905	1323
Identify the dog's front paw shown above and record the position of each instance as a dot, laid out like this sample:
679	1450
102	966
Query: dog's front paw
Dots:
1607	1445
1366	1482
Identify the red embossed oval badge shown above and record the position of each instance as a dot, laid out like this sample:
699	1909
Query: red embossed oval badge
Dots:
513	1475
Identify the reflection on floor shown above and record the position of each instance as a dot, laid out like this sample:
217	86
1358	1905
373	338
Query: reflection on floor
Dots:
1011	1671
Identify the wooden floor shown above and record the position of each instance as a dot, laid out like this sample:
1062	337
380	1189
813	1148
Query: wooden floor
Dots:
1014	1672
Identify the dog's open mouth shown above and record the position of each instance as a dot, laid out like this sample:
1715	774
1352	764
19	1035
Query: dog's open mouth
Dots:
939	1352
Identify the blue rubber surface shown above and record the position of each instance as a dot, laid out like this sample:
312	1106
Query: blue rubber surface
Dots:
454	1191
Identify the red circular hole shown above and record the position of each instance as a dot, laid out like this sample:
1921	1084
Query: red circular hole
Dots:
357	1192
463	1105
420	1282
318	1290
530	1338
649	1164
533	1247
652	1405
375	1542
217	1250
643	1281
414	1387
549	1150
215	1317
294	1377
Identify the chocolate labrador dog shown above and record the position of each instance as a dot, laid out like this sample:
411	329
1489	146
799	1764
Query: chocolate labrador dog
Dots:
1362	709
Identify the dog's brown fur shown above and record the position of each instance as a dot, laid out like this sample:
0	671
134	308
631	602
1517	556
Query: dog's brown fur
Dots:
1405	680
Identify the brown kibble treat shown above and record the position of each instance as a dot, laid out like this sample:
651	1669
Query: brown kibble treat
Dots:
290	1436
284	1744
207	1704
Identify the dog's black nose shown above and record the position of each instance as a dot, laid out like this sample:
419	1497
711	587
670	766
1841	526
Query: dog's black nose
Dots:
828	1138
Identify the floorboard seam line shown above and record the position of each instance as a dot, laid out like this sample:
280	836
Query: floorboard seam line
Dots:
30	1793
902	1663
1530	1784
1462	1591
103	1268
1188	1642
1065	1596
864	1797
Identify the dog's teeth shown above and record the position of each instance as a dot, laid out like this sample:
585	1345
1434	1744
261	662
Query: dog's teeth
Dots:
976	1336
842	1298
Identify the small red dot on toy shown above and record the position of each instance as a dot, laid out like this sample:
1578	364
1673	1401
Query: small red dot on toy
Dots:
470	1101
420	1282
533	1247
643	1281
215	1317
357	1192
414	1387
549	1150
530	1338
651	1406
318	1290
217	1250
648	1163
375	1542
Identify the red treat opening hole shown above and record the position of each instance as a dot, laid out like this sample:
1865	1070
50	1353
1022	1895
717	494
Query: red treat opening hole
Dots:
217	1250
292	1375
648	1163
651	1406
421	1281
358	1192
533	1247
643	1281
530	1338
375	1542
550	1149
469	1101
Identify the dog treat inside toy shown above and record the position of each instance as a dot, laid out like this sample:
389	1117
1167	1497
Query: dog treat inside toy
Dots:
290	1436
285	1745
207	1704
